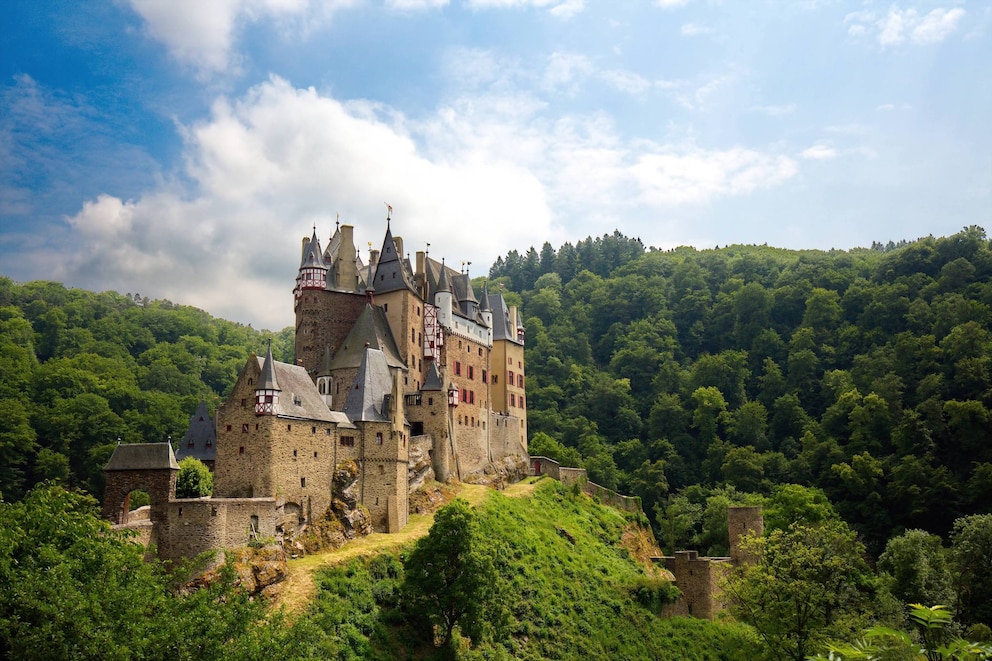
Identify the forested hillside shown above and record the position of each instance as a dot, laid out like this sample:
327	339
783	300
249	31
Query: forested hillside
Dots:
80	371
688	376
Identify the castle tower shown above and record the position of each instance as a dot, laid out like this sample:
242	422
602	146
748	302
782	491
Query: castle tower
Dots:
743	521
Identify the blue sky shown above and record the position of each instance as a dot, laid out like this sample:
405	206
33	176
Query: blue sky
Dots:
180	149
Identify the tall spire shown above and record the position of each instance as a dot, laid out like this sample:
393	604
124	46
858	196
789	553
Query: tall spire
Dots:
267	390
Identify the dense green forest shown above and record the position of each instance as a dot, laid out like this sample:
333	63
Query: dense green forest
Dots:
848	392
686	375
80	371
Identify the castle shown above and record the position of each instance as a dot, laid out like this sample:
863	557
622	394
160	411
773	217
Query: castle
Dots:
401	370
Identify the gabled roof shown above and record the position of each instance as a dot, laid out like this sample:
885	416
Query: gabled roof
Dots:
142	456
325	365
299	397
365	402
200	440
370	330
393	272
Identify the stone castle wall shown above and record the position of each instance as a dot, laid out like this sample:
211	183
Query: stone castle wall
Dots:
195	525
323	319
698	579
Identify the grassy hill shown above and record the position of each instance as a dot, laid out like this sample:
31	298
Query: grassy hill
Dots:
574	588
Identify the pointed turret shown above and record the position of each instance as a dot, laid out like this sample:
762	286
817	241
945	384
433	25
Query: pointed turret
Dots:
392	272
267	391
486	313
443	298
313	268
467	301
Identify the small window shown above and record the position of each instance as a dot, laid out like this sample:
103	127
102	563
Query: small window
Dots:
244	403
385	307
229	428
190	444
241	450
327	432
513	400
314	454
244	428
348	441
509	360
495	378
471	372
520	380
313	430
484	375
458	368
480	351
430	401
303	482
378	438
289	427
382	470
294	453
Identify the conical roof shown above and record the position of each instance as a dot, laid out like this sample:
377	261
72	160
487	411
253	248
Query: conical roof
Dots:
433	380
313	257
392	272
267	379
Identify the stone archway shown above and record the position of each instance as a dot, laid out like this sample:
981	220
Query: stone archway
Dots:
149	467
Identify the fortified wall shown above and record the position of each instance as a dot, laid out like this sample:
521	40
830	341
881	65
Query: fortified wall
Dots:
698	578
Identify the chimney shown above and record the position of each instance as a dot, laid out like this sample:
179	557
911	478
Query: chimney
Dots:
303	248
398	240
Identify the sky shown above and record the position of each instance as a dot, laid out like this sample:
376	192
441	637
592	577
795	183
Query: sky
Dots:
181	149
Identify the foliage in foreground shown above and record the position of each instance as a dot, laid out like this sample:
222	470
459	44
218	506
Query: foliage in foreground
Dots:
933	640
72	588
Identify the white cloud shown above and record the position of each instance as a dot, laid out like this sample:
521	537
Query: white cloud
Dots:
819	152
264	167
562	9
901	25
670	176
671	4
202	34
416	4
694	30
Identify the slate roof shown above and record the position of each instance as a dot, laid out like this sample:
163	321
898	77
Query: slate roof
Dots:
331	255
393	272
502	327
367	394
142	456
372	330
200	440
312	255
267	379
299	397
433	380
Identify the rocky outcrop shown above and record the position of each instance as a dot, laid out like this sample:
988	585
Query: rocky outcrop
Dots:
499	474
421	468
344	520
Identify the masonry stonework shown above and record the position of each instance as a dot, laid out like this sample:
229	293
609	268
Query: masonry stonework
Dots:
386	354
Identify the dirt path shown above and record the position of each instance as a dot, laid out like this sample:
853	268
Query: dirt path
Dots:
298	587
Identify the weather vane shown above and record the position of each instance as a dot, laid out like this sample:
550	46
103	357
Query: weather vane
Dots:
389	211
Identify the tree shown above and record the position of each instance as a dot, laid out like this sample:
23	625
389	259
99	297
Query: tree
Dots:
450	579
809	583
916	565
971	563
194	479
